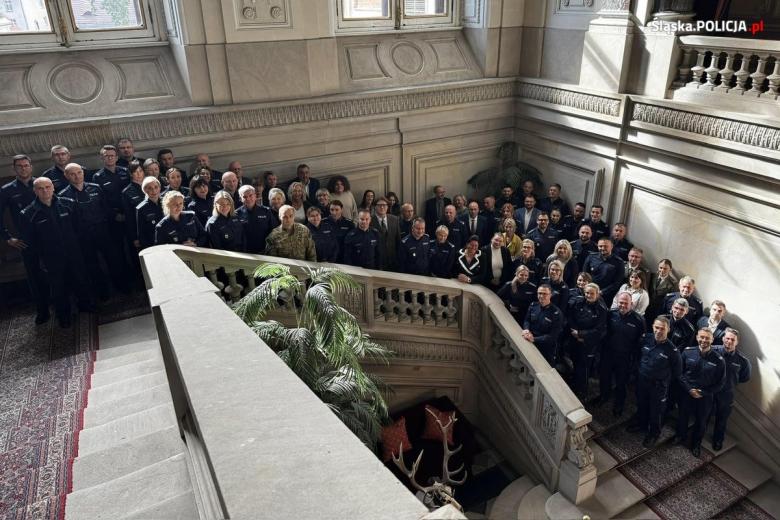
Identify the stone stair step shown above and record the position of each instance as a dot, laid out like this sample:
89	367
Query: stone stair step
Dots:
533	504
131	357
97	414
767	497
744	509
122	333
135	454
181	507
112	392
743	469
115	375
639	511
614	494
508	501
131	493
663	467
603	460
129	427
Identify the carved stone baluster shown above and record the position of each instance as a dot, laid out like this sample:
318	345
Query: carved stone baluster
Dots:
427	309
452	312
523	377
697	70
416	306
758	77
684	70
774	80
233	289
211	274
250	281
390	304
438	311
712	71
726	73
742	74
497	342
378	304
403	307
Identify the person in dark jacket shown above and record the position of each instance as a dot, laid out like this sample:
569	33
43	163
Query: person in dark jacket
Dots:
323	234
49	227
738	371
179	226
518	294
543	324
498	263
200	202
341	225
113	179
414	252
587	325
703	375
361	245
715	322
132	196
224	230
258	220
606	269
659	364
469	266
554	279
149	213
686	287
442	254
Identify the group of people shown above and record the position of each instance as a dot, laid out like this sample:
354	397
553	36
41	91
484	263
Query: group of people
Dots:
577	287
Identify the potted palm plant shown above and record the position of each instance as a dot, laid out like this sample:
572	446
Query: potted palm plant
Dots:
509	171
325	346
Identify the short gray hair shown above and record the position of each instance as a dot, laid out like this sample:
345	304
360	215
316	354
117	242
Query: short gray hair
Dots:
283	209
682	302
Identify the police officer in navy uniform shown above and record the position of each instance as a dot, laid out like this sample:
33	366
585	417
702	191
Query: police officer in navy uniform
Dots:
61	157
583	246
323	234
49	226
17	195
518	294
414	253
94	213
606	269
681	334
258	220
544	236
738	371
179	226
149	213
113	179
619	351
686	287
458	233
703	375
361	245
597	225
587	324
341	225
443	254
543	324
224	230
659	364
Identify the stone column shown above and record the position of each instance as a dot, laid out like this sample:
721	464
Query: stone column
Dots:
607	48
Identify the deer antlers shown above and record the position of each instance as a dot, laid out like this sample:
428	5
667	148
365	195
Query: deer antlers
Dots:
440	488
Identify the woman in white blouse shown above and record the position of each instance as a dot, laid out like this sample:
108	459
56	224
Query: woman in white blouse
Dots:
636	288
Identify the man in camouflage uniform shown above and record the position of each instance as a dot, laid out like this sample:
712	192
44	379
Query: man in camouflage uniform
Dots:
290	239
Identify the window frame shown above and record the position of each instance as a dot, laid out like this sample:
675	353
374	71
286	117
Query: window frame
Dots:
398	20
65	33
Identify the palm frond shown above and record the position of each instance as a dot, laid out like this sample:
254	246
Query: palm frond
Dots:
271	271
265	297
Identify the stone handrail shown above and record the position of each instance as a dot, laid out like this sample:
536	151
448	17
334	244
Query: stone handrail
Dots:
546	415
730	66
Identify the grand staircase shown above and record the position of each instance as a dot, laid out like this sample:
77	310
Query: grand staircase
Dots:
131	459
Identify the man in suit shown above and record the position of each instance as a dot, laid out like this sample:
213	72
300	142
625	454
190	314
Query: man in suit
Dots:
434	208
310	184
498	263
389	235
476	224
662	284
715	322
527	215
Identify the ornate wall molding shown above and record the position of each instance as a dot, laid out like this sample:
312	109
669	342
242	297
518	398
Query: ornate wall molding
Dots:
428	351
196	122
752	134
579	100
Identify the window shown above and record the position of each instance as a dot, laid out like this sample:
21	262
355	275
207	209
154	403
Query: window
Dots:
31	24
394	14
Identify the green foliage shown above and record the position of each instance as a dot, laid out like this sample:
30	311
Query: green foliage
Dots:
118	11
327	345
510	171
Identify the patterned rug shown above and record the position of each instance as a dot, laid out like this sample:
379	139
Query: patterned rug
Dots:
122	307
624	446
45	375
664	467
745	509
705	493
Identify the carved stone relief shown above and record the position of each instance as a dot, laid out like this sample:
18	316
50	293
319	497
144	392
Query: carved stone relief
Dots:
549	419
251	14
427	351
570	98
135	81
475	318
15	91
574	6
449	55
77	83
408	58
355	303
616	5
578	450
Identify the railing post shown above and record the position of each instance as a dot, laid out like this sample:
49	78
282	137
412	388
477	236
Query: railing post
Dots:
577	480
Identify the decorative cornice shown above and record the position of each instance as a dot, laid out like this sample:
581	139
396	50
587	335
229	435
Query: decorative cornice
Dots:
558	96
752	134
427	351
183	124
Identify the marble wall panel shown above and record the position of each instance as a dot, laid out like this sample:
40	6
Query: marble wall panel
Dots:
142	77
15	88
562	54
268	70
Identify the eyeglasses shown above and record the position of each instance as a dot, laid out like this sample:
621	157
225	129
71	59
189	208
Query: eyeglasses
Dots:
381	204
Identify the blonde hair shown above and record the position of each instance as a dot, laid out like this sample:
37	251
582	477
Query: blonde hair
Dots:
222	194
567	246
168	198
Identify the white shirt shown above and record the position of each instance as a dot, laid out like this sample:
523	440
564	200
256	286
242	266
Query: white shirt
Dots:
639	299
497	264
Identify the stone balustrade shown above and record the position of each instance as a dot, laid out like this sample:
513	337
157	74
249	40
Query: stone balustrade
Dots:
737	67
545	416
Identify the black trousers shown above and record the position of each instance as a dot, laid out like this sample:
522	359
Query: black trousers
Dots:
722	410
37	281
614	366
700	408
651	400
